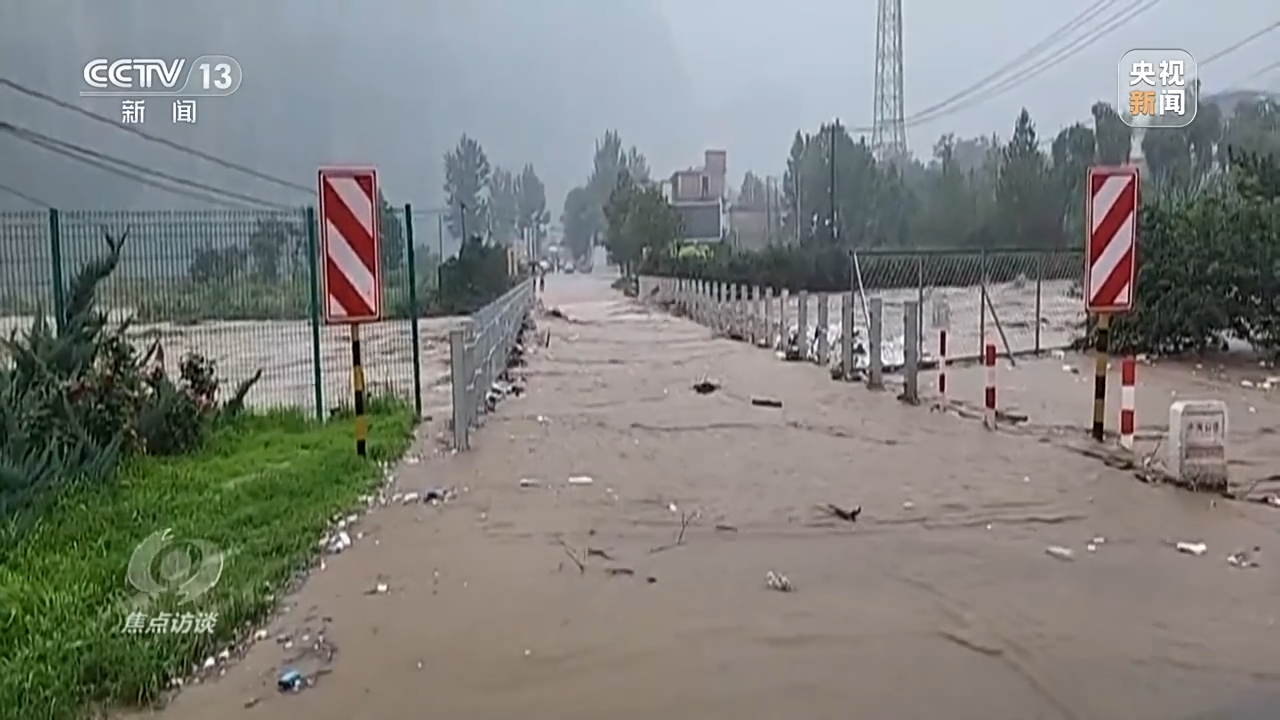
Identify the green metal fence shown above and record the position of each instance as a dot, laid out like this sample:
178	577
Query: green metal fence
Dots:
241	287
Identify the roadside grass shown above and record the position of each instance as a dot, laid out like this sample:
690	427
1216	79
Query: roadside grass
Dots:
263	490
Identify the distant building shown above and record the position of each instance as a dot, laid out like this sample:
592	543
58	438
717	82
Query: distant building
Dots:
699	196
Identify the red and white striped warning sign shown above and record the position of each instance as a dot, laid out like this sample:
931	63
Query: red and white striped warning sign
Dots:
1112	217
349	245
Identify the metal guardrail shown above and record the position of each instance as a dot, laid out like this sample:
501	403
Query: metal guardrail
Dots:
478	354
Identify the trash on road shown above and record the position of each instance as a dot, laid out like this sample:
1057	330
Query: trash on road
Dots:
1060	553
848	515
291	681
1244	558
766	402
778	582
705	386
1191	548
581	480
530	482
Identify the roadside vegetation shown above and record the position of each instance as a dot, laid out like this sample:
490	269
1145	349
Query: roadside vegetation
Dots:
99	449
1209	234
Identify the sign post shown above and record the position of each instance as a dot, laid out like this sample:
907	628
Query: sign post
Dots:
1111	216
349	230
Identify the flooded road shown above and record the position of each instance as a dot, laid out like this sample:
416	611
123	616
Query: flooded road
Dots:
643	594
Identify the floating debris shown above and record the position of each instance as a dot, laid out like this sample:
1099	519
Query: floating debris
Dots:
1244	558
581	480
849	515
1191	548
705	387
778	582
1060	553
291	681
766	402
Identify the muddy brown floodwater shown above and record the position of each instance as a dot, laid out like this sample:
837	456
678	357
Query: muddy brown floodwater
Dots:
939	602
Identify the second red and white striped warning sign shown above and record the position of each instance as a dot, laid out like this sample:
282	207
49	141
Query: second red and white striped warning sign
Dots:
349	245
1112	219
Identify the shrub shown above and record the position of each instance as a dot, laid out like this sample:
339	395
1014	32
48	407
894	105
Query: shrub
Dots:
76	399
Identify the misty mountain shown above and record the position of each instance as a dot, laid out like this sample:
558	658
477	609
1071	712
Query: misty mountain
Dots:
394	84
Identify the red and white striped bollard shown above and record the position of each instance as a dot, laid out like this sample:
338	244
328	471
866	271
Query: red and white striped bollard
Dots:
1128	401
943	364
989	403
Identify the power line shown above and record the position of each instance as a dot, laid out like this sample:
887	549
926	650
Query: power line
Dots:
138	178
31	92
1239	44
82	152
22	196
1018	62
1110	25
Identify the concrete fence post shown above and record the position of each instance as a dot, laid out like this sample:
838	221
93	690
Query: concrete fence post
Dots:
846	335
757	315
802	322
748	322
784	299
721	297
911	351
768	316
875	349
824	343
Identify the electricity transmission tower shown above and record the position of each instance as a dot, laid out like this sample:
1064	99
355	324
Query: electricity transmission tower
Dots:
889	133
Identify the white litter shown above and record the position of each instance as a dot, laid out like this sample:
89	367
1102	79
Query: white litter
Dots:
529	482
1059	552
1191	548
581	480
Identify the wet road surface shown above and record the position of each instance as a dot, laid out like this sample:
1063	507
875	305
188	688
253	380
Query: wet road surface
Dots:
939	602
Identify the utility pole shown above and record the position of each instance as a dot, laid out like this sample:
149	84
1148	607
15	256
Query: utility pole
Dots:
831	155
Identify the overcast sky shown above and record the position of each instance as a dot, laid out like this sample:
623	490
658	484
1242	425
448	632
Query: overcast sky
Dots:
774	65
394	83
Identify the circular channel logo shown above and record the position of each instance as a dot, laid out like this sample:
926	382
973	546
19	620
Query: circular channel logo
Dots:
162	564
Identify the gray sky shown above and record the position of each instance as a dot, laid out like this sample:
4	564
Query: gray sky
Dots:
395	83
811	60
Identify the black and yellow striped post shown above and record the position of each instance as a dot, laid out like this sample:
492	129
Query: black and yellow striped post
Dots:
357	385
1101	340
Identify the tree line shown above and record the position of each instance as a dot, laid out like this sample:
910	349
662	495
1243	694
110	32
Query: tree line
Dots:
1209	231
265	277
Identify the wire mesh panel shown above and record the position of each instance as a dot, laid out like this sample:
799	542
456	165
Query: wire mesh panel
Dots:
1012	279
26	269
232	285
1062	313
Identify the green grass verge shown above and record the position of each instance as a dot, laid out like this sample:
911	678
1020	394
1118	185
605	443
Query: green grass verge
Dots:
262	490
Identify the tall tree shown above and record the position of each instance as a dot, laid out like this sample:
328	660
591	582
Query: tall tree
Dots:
578	219
639	219
607	164
466	187
1028	215
753	193
531	202
792	223
637	165
504	208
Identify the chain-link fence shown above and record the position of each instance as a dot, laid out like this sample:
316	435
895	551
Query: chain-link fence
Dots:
241	287
1026	301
